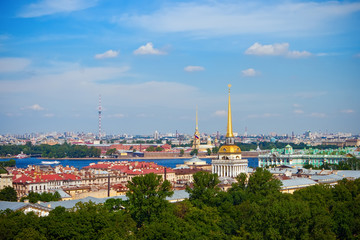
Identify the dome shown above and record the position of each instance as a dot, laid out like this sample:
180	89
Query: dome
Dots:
229	149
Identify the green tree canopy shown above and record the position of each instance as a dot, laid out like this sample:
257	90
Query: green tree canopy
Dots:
147	197
8	194
205	188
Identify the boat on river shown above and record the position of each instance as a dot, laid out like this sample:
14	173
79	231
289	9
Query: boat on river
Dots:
50	162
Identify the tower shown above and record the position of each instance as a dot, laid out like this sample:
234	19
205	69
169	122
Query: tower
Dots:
100	109
229	162
196	141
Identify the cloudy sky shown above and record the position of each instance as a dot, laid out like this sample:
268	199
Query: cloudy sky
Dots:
293	65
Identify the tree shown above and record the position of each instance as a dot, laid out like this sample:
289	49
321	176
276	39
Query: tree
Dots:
147	197
205	188
182	152
262	182
111	151
215	150
8	194
208	151
194	152
150	149
44	197
159	149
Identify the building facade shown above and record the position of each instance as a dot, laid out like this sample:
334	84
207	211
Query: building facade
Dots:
229	162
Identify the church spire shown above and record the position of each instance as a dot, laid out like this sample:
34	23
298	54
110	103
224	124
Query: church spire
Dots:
229	131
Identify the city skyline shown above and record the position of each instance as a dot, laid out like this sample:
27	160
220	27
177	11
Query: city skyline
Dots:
293	65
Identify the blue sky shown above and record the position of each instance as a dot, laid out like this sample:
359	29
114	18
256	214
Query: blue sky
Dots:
293	65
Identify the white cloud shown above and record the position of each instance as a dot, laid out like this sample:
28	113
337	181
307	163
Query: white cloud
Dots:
49	115
13	64
220	113
48	7
194	68
318	115
213	18
250	72
35	107
296	105
108	54
277	49
148	49
348	111
298	111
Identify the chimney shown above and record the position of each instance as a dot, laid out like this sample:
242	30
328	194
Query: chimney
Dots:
49	205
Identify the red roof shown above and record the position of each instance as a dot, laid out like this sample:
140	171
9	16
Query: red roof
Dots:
22	179
70	177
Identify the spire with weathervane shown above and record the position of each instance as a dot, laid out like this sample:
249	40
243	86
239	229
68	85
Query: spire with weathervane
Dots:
196	141
229	131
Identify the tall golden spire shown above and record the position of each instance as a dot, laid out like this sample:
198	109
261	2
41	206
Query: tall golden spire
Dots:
229	131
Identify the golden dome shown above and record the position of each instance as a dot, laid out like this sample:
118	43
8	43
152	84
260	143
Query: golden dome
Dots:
229	149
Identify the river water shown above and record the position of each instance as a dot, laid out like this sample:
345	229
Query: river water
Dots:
80	163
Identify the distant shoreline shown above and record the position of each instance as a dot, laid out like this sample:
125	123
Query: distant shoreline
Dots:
105	159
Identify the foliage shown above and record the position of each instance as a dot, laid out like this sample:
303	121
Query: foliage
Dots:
253	208
205	188
34	197
154	149
8	194
147	197
215	150
10	163
194	152
56	151
182	152
111	151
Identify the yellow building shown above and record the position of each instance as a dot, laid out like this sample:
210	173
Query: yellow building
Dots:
229	162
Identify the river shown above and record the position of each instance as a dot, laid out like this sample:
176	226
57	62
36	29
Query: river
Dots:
80	163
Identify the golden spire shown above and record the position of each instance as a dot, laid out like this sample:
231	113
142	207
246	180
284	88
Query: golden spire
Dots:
229	131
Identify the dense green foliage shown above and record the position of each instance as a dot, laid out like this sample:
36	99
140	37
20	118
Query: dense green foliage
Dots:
154	149
10	163
252	209
8	194
194	152
56	151
34	197
147	197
